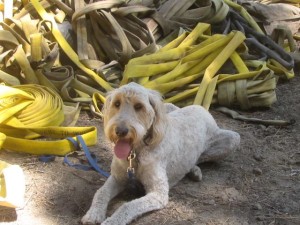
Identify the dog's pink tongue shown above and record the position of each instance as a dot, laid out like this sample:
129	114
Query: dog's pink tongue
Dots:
122	149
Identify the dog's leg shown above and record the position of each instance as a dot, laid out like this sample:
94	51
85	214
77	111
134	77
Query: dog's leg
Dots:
157	197
224	142
97	212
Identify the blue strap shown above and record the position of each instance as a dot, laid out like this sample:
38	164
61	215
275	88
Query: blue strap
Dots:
90	157
47	158
74	142
77	166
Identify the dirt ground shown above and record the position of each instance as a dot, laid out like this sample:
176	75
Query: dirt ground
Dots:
258	184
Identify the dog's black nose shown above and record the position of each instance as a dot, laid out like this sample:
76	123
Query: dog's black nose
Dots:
121	131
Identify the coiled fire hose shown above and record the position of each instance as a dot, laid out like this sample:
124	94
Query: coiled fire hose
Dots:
28	112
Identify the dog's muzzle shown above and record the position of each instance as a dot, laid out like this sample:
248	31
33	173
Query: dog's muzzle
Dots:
121	131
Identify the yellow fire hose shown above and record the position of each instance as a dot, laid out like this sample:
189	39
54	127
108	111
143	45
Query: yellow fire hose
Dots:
28	112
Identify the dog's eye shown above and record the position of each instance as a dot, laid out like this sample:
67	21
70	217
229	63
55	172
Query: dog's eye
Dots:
138	106
117	104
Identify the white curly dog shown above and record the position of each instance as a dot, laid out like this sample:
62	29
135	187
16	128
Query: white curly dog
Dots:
158	144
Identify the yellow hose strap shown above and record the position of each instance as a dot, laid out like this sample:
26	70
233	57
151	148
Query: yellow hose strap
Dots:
201	28
17	36
29	9
43	66
36	40
113	18
247	93
204	96
58	76
98	100
86	52
72	113
243	93
28	112
237	116
182	95
69	11
280	70
30	77
63	80
283	35
7	37
213	11
190	66
29	26
244	14
8	79
65	45
56	147
292	2
83	92
82	44
136	67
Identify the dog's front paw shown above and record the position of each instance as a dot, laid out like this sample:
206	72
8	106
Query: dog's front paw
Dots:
92	217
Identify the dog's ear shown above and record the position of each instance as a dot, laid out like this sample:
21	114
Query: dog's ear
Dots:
106	106
157	129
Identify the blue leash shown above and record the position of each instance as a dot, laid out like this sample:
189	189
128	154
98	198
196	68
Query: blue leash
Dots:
90	157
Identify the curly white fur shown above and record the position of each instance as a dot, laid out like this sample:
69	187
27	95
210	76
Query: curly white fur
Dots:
169	143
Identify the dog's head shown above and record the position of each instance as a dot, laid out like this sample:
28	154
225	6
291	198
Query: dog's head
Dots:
133	116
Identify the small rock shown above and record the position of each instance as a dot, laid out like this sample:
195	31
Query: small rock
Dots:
263	127
195	174
259	218
232	195
210	202
257	171
257	157
257	206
